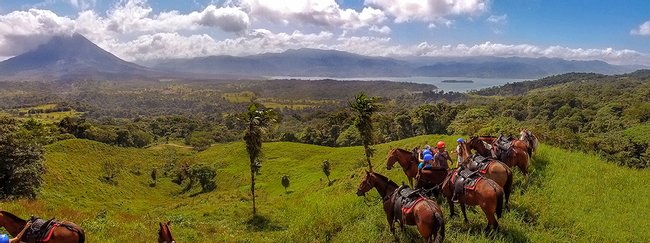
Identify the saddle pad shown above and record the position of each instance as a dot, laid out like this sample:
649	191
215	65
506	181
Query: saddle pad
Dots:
49	234
471	184
408	208
483	167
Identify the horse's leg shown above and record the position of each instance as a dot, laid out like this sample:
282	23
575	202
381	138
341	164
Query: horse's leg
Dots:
490	216
462	208
451	207
391	224
523	166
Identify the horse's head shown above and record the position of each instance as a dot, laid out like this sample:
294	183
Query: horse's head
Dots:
392	158
366	184
165	233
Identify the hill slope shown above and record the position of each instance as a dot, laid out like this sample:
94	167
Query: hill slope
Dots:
570	194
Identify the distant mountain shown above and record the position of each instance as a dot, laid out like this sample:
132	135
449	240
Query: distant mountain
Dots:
71	58
331	63
514	67
75	57
300	62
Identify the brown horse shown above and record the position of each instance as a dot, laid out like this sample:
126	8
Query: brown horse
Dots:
519	157
409	163
426	214
487	194
165	233
497	171
530	139
65	232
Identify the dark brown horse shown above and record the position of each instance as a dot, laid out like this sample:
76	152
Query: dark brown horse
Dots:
519	157
497	171
487	194
530	139
165	233
426	214
408	161
65	232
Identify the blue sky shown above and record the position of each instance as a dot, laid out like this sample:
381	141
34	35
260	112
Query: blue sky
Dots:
138	30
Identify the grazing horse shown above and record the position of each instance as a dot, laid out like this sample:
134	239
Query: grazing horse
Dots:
165	233
408	161
425	214
519	157
530	139
496	170
63	232
486	193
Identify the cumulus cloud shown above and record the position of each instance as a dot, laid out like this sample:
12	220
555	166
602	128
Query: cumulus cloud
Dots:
136	16
324	13
429	10
383	30
643	29
497	22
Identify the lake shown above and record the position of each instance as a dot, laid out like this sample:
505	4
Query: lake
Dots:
479	83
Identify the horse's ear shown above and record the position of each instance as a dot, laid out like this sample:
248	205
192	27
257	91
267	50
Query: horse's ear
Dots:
169	222
160	224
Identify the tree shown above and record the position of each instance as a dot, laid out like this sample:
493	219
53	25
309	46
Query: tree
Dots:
257	119
285	182
205	175
364	107
21	161
111	171
326	169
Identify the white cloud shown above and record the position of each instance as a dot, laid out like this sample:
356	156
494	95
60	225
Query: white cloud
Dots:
383	30
324	13
83	4
429	10
135	16
643	29
497	22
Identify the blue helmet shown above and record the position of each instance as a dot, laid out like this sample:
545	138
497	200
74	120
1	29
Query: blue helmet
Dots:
4	238
460	140
427	151
428	157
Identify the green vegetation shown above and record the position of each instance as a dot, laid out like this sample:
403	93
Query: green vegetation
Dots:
572	197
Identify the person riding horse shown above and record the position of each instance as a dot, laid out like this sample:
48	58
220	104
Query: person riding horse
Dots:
458	187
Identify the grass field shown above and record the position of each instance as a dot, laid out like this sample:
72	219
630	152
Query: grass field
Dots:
50	117
572	197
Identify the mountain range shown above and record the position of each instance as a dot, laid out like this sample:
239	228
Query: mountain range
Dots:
75	57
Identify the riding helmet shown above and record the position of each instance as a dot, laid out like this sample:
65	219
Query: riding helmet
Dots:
440	145
428	157
460	140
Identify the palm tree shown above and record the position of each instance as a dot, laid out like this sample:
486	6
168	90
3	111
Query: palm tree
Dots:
258	119
364	107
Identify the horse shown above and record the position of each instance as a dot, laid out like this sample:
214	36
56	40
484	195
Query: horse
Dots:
519	157
530	139
487	194
407	160
496	171
64	232
165	233
426	214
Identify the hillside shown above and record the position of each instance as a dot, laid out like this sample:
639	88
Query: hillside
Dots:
571	193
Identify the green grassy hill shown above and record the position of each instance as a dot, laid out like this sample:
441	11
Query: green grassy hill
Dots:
572	197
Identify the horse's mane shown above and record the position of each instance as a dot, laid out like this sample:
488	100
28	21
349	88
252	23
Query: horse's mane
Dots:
385	179
12	216
403	150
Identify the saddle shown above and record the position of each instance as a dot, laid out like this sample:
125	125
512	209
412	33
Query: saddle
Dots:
465	180
405	199
40	230
479	163
503	143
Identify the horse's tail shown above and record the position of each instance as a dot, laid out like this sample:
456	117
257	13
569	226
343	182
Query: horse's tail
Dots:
440	237
507	188
499	192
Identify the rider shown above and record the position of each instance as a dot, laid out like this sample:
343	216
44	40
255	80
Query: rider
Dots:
441	158
426	149
461	166
5	238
